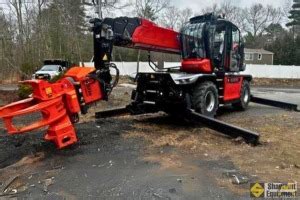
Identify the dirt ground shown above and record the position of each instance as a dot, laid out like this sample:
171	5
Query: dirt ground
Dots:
275	159
7	97
156	149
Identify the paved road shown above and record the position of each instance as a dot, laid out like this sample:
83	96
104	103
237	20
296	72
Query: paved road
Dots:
279	94
8	87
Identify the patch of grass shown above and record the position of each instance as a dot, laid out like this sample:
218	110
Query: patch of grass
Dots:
277	82
24	91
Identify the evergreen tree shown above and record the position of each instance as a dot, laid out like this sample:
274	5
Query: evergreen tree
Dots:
285	49
64	31
148	13
295	14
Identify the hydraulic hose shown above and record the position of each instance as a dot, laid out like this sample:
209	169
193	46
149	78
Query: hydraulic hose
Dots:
116	80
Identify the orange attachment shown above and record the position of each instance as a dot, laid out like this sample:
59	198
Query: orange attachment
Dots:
44	90
91	90
57	103
53	113
79	73
61	132
71	101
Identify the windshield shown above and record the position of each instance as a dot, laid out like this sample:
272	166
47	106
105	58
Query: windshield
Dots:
192	41
50	68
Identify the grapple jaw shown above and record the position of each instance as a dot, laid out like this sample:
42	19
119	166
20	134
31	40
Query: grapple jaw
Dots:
58	103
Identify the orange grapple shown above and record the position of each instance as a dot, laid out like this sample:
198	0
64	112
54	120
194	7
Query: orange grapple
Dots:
58	103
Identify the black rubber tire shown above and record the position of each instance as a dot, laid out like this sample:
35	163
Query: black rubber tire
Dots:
200	95
244	101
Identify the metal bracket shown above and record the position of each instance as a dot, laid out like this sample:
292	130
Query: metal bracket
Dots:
225	128
214	124
112	112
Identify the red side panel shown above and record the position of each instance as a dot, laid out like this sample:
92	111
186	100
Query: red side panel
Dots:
232	87
91	90
71	102
196	65
153	38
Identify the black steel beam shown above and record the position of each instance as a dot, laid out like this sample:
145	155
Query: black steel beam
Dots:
214	124
112	112
225	128
278	104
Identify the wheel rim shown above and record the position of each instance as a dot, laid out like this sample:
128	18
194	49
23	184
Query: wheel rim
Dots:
210	101
246	95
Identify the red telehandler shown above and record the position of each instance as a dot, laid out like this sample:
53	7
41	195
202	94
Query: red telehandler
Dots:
212	53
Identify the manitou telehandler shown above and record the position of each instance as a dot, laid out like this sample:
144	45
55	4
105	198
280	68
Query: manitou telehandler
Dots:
212	56
212	53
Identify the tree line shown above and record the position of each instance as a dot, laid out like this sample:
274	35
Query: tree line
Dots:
34	30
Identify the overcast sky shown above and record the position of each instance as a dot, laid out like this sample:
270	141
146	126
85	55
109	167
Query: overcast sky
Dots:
197	5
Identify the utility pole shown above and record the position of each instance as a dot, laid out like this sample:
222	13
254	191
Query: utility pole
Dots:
2	38
99	9
2	49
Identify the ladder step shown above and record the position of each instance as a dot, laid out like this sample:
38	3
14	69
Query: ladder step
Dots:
151	91
149	102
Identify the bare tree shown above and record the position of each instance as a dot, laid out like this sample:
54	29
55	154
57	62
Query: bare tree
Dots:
16	6
184	17
258	18
40	4
254	19
228	9
170	17
111	7
6	46
211	9
287	6
233	14
150	9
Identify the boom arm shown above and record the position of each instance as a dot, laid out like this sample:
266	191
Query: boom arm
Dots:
132	33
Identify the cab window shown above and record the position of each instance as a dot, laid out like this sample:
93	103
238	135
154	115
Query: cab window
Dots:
235	58
235	38
219	44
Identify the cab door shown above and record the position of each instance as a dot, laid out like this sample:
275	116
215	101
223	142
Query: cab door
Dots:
232	80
